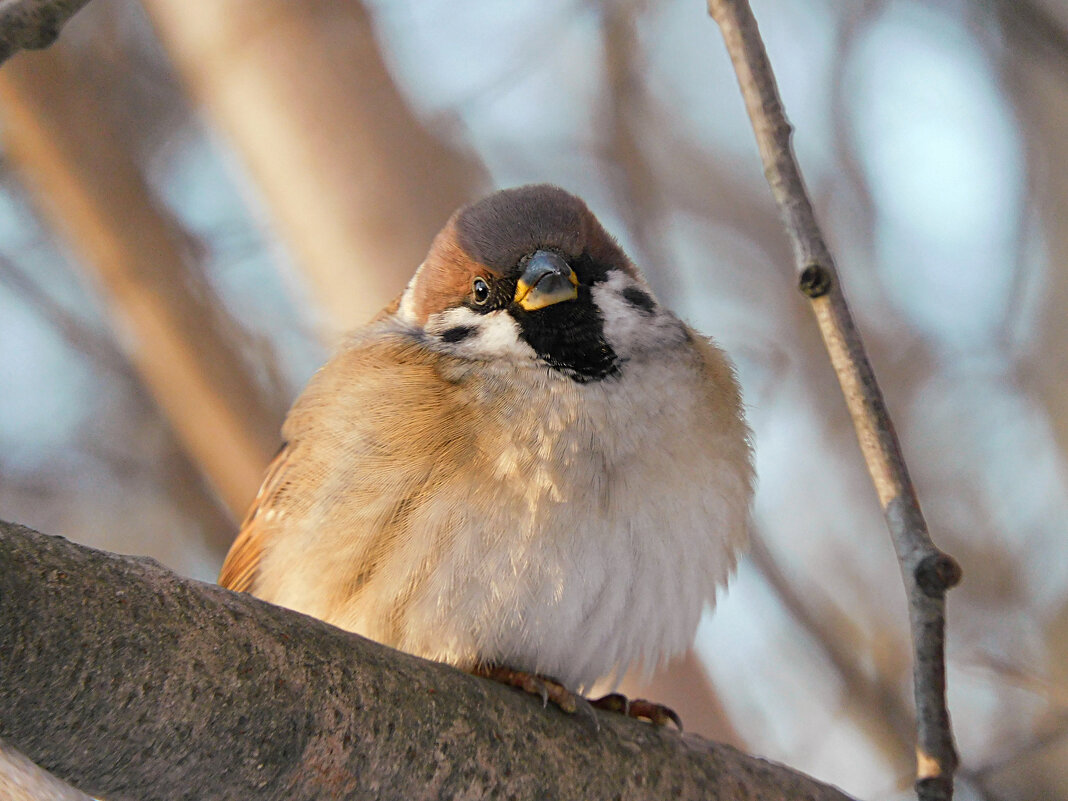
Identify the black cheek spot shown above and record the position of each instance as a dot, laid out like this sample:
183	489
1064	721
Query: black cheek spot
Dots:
638	299
457	334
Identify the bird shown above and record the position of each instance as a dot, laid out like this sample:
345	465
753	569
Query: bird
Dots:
526	466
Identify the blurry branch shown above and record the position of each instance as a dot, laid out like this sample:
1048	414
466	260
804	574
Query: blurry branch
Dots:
855	20
874	703
687	170
21	780
625	111
355	183
927	572
184	684
1039	92
32	24
177	476
1034	27
170	323
79	336
1049	733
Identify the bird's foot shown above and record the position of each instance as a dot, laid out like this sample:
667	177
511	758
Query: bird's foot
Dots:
549	689
546	688
657	714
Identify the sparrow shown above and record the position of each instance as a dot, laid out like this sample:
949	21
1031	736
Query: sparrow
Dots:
525	467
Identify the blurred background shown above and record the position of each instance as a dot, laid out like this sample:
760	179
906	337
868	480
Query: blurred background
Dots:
196	199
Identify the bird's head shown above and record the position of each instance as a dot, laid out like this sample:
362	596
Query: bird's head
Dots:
529	274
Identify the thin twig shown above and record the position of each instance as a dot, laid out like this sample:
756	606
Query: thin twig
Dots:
927	572
631	174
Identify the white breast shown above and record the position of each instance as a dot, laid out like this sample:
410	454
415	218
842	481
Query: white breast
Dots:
591	540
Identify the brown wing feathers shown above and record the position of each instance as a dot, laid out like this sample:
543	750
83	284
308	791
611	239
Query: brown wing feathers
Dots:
239	568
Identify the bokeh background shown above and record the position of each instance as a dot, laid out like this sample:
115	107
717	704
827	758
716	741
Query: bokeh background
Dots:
196	198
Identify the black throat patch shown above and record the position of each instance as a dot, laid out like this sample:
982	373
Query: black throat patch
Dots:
569	337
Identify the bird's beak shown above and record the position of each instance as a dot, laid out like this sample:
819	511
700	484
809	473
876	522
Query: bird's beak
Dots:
546	279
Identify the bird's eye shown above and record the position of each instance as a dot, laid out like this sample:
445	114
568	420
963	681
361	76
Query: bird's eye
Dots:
481	291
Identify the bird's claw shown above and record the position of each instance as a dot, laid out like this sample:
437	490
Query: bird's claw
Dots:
549	689
613	702
546	688
640	708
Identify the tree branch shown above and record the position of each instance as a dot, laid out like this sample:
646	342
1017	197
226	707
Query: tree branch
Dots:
927	572
131	683
32	24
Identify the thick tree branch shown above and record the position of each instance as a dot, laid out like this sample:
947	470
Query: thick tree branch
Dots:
32	24
927	572
131	683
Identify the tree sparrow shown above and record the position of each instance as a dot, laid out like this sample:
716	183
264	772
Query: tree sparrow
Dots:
524	467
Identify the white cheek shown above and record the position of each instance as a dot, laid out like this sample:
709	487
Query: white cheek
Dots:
406	310
500	334
496	334
628	329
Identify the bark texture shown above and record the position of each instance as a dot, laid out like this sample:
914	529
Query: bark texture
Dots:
130	682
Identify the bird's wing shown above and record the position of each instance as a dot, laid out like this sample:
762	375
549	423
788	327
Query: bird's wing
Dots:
730	437
239	567
373	428
718	373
